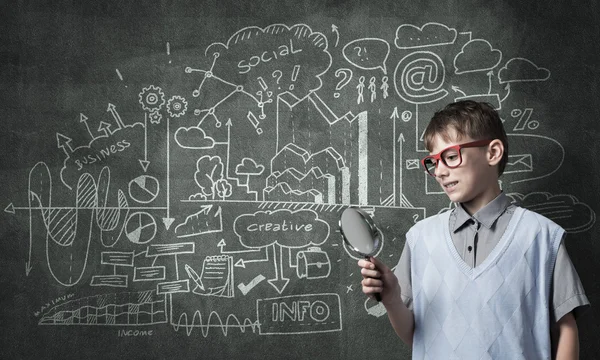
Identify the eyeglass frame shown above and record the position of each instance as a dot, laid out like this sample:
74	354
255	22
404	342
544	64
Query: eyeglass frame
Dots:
458	147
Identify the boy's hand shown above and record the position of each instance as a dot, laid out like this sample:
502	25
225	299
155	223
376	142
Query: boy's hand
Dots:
378	278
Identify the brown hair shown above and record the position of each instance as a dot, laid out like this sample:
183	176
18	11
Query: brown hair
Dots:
477	120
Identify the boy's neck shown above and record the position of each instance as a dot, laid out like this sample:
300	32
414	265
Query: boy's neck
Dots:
473	206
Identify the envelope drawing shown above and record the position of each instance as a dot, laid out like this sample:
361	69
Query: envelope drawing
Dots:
412	164
519	163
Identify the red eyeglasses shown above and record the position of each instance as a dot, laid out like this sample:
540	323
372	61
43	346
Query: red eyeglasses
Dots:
450	156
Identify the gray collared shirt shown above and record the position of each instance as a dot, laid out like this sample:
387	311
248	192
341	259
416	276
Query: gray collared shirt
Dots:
476	236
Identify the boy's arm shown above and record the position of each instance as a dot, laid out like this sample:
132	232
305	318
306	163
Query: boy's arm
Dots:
378	278
568	303
565	338
402	320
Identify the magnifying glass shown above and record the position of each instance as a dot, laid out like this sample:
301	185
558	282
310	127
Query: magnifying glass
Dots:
360	233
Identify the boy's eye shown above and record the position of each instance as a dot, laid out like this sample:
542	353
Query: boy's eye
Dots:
450	157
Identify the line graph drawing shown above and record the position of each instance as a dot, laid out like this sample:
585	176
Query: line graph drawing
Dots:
114	309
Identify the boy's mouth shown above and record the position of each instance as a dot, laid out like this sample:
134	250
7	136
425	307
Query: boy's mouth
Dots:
450	184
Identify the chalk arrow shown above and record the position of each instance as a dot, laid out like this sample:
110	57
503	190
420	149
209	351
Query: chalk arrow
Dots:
401	138
221	245
204	209
84	119
144	162
105	128
228	124
395	115
111	108
401	141
240	263
10	209
490	74
334	29
507	88
280	282
64	142
168	221
458	90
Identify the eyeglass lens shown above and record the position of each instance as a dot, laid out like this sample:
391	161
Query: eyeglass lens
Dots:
450	157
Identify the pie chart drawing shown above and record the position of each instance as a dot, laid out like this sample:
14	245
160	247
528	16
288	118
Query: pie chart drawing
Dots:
140	228
144	189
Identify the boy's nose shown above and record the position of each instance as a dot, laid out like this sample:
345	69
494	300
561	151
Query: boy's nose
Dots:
441	169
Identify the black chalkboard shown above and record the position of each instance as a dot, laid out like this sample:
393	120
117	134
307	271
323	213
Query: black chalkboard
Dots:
172	173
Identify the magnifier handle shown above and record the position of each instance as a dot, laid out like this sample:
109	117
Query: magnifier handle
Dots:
377	296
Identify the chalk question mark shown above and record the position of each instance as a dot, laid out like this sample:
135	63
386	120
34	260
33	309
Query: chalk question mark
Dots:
347	76
359	50
277	74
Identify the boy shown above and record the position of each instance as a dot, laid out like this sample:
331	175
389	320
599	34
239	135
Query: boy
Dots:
489	279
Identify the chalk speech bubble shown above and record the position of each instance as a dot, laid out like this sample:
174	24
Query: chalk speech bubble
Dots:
272	60
477	55
566	210
409	36
193	138
121	148
522	70
294	229
367	53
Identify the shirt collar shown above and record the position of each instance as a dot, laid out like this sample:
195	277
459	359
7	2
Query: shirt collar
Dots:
487	215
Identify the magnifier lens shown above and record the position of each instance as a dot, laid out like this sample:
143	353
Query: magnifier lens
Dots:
357	232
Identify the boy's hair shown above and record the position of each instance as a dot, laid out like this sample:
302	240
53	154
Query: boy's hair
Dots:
477	120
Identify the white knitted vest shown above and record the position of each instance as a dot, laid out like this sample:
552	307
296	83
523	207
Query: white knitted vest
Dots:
497	310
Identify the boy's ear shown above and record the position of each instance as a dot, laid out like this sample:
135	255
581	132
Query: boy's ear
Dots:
495	152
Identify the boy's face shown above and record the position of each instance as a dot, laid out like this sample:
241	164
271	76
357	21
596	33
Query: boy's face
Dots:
474	183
